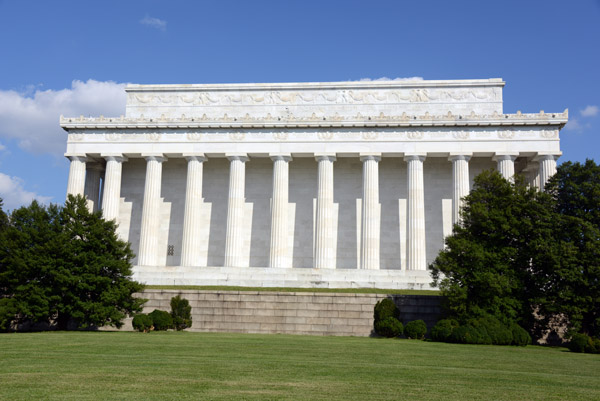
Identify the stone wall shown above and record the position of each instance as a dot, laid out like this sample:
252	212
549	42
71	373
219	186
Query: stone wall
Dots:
311	313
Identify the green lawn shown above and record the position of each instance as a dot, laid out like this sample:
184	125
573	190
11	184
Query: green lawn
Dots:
292	289
175	366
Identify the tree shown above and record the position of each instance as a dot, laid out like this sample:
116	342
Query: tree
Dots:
64	266
574	293
505	238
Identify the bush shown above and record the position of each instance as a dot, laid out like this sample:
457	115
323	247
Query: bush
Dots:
415	329
492	328
469	335
181	312
142	322
389	327
520	336
443	330
162	320
384	309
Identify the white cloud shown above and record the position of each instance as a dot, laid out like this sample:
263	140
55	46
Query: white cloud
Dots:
393	79
33	120
14	195
590	111
575	125
154	23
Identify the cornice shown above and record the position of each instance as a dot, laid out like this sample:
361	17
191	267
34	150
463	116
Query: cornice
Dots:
314	121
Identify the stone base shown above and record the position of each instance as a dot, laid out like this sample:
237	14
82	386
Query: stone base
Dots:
275	277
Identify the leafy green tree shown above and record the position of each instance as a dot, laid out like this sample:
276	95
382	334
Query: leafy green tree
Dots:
574	293
64	266
505	237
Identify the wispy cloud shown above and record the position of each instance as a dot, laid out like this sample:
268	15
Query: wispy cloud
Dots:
154	23
14	194
393	79
33	118
590	111
576	125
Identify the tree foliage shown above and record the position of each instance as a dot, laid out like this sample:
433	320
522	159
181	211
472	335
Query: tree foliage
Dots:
525	256
64	266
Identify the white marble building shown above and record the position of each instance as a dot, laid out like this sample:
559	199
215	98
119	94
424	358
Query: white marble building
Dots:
345	184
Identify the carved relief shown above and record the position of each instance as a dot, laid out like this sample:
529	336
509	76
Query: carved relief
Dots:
112	136
237	136
548	134
325	135
419	95
194	136
76	137
153	136
415	134
280	136
506	134
461	134
370	135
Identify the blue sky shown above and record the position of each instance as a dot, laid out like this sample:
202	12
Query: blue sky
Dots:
73	57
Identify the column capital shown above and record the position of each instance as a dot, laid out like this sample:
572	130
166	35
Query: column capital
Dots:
281	156
460	156
325	156
415	156
82	157
547	156
243	157
201	157
159	157
505	156
118	157
370	156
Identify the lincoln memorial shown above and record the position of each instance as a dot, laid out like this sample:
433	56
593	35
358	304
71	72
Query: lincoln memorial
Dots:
324	184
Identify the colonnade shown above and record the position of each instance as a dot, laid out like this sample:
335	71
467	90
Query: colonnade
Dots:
88	184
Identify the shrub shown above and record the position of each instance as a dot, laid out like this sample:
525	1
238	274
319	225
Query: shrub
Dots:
594	346
520	336
181	312
443	329
389	327
142	322
415	329
469	335
162	320
579	342
492	328
384	309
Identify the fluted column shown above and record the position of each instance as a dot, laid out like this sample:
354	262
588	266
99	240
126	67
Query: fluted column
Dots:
111	196
279	255
76	184
149	233
532	174
324	257
416	256
190	244
547	167
506	165
460	183
235	210
369	255
92	186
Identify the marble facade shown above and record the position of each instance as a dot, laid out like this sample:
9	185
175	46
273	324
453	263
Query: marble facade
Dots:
346	184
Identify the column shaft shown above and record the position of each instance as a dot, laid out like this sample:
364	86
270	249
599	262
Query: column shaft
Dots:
148	252
111	197
191	221
324	236
506	165
370	237
416	256
92	186
547	168
235	211
76	184
279	252
460	183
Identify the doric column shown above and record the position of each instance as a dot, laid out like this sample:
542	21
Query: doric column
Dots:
416	256
76	184
111	196
190	244
547	167
279	254
532	174
92	185
369	253
460	182
235	210
324	257
506	164
149	233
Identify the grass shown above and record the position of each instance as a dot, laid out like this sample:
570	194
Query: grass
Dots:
206	366
292	289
